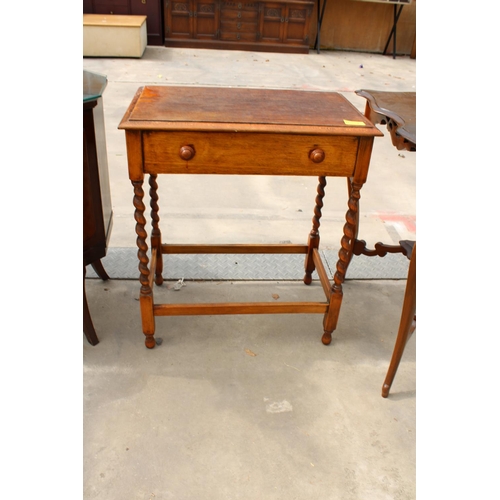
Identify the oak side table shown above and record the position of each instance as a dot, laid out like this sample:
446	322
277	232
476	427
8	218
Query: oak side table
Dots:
198	130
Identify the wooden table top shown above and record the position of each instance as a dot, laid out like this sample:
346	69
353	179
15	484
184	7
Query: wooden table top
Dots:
400	107
245	110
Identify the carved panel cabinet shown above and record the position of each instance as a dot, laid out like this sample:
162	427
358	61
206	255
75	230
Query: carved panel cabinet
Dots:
275	26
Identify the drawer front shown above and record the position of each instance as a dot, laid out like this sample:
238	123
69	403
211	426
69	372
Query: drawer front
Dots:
239	16
248	154
227	6
231	36
233	28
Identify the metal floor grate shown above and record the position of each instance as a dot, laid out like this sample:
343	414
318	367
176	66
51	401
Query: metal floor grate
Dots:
122	263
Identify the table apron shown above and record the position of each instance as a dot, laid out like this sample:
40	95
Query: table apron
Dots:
248	153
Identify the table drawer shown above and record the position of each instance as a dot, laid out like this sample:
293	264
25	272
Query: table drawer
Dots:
248	153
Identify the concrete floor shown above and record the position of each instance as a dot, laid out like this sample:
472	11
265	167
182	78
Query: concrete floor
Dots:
252	407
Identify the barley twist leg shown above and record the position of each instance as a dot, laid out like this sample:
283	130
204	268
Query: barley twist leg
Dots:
146	296
156	233
345	255
313	241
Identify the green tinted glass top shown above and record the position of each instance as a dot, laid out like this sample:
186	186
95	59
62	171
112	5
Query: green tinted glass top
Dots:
93	85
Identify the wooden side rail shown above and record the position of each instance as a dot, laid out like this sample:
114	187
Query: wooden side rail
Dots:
239	308
323	276
226	308
381	249
234	249
152	266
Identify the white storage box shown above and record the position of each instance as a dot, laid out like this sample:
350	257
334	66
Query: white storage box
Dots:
114	36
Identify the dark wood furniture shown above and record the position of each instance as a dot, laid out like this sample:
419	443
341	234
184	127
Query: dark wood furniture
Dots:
397	110
272	26
407	324
97	210
152	9
195	130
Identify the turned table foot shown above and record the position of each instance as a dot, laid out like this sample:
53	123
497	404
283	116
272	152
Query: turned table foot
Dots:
150	341
327	338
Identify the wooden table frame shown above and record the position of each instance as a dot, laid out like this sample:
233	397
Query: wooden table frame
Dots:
396	110
198	130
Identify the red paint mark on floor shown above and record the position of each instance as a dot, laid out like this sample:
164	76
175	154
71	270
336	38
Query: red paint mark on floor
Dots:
408	220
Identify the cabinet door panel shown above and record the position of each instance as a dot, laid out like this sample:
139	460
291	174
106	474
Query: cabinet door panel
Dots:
296	24
179	19
206	20
273	22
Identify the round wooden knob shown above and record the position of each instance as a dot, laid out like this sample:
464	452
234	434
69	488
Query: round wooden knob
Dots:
187	152
317	155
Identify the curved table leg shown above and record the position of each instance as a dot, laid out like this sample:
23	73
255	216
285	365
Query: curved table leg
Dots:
99	270
88	326
406	325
